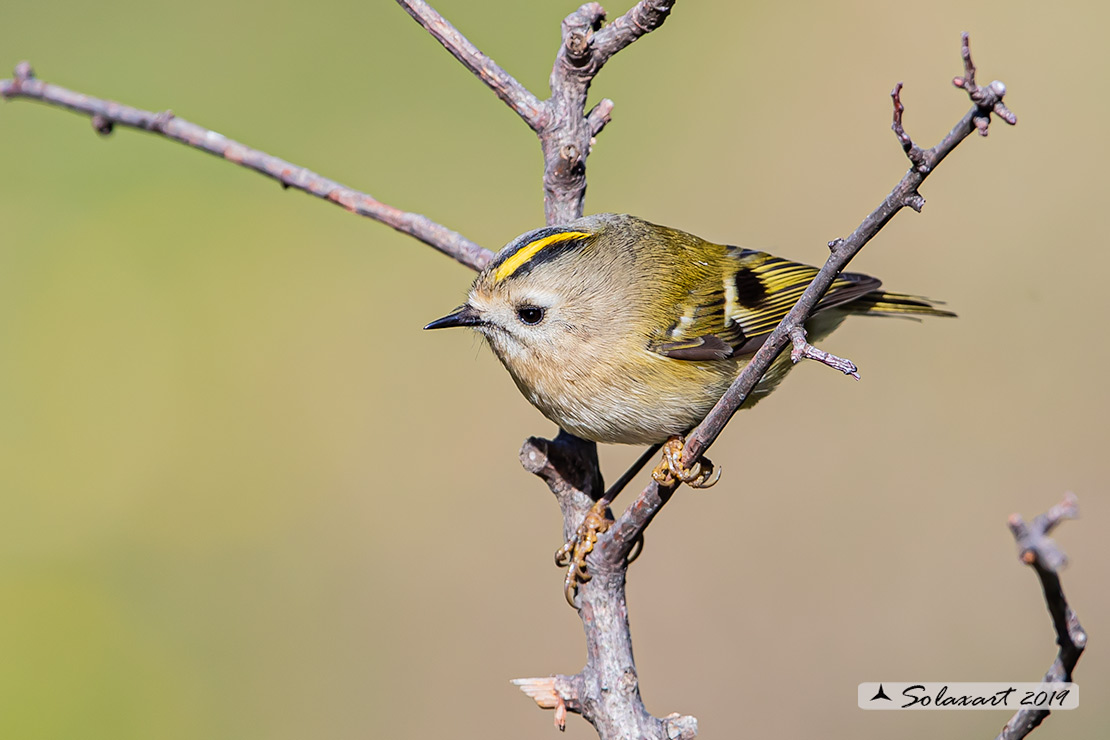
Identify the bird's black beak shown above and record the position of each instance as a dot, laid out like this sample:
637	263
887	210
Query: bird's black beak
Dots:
463	316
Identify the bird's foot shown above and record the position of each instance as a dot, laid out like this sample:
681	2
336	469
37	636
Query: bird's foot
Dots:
573	554
699	475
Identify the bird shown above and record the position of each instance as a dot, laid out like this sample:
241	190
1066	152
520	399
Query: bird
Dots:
624	331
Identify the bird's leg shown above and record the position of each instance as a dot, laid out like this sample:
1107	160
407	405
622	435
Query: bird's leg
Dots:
699	475
597	521
573	554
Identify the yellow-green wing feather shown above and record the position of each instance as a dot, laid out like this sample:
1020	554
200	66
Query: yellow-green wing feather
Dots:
732	316
768	287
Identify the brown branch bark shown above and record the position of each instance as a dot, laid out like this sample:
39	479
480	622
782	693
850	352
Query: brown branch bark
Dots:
107	114
606	691
618	542
504	85
1039	552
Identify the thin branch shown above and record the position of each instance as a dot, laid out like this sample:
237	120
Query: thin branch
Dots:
803	350
606	691
617	542
107	114
1038	551
568	137
643	18
504	85
566	131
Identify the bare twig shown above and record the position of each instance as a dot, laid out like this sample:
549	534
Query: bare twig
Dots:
644	17
1041	553
504	85
913	152
568	136
617	542
107	114
566	131
803	350
988	99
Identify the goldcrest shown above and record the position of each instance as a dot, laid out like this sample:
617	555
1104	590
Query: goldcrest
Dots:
619	330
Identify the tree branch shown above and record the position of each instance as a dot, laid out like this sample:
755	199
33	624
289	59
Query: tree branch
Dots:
606	690
106	114
1038	551
618	542
504	85
568	136
565	130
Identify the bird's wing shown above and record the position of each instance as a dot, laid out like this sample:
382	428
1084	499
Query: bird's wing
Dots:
733	313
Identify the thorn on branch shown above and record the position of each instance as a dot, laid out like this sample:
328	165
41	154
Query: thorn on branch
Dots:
803	350
987	99
915	153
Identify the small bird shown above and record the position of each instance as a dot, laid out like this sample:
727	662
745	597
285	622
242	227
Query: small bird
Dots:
623	331
620	330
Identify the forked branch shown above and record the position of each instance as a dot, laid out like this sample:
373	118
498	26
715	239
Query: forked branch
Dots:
1039	552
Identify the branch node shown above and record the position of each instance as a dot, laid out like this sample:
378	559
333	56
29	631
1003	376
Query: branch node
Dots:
24	72
835	244
547	695
158	125
680	727
803	350
570	163
987	99
915	201
599	117
577	44
102	124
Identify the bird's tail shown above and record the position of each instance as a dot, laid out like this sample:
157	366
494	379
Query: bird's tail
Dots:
880	303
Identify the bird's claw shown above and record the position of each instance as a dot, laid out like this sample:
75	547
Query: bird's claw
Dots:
670	469
573	554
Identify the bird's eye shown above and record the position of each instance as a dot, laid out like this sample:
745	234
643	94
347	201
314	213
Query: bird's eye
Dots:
530	315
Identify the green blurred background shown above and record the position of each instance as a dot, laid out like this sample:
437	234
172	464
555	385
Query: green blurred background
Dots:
244	496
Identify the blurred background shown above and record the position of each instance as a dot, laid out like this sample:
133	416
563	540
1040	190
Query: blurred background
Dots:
244	496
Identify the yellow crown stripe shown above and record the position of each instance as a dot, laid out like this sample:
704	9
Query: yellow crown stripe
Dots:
528	251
